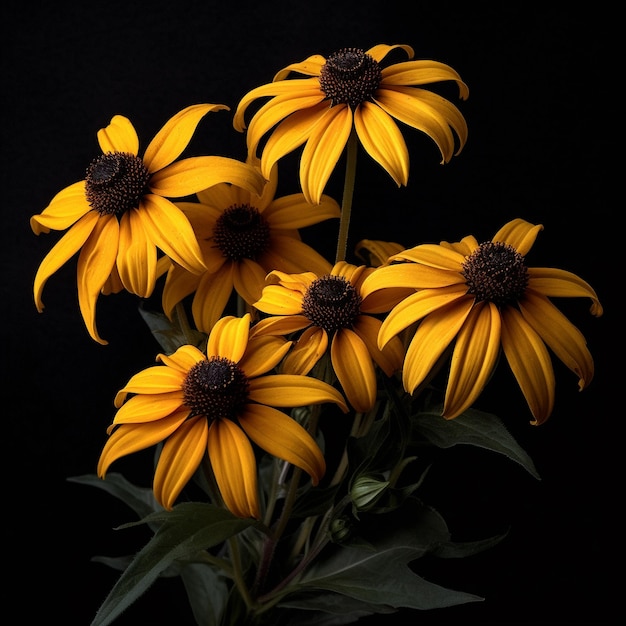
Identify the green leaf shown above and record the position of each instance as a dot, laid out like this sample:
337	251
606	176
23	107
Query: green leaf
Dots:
382	577
207	592
139	499
183	532
169	335
475	428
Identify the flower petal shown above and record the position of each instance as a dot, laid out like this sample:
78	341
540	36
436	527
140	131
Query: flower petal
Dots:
282	437
520	234
561	336
292	390
183	359
179	283
119	136
229	337
136	257
234	467
277	300
248	279
130	438
557	283
383	141
168	229
293	211
354	368
306	352
180	457
432	337
390	358
149	408
291	255
323	149
188	176
212	295
432	255
530	362
173	138
152	380
263	354
67	207
475	354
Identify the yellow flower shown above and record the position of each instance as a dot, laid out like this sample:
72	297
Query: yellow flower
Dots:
242	237
330	310
351	90
198	404
119	215
484	297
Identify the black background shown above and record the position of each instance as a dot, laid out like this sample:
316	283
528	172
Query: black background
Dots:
543	90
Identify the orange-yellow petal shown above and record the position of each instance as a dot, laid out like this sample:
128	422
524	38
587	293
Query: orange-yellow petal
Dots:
306	352
282	437
520	234
390	358
530	362
213	292
180	457
234	466
67	207
119	136
152	380
136	257
475	354
263	354
229	337
149	408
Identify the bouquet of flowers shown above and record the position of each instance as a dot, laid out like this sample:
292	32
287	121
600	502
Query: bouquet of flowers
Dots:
294	392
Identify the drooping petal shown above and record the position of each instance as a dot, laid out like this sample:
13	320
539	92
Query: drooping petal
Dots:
149	408
292	390
183	359
152	380
306	352
475	354
130	438
293	211
323	149
137	256
390	358
229	337
211	297
180	457
417	306
530	362
263	354
248	279
354	368
556	283
188	176
282	437
67	207
169	143
561	336
62	252
119	136
432	337
382	140
520	234
291	133
168	229
234	466
95	262
422	72
293	256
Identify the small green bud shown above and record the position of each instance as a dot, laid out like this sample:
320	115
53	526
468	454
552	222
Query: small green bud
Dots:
340	529
366	490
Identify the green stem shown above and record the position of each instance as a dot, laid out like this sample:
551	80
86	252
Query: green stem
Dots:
180	315
346	201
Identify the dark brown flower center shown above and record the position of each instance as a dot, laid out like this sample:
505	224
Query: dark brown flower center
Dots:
115	183
216	388
496	272
241	232
331	302
350	77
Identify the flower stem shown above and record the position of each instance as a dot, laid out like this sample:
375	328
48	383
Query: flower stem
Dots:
183	323
346	201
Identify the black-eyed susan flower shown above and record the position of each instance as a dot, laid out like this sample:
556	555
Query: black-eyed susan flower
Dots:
214	404
120	214
242	237
330	312
351	90
483	298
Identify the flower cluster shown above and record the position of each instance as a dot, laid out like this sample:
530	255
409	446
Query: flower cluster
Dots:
293	391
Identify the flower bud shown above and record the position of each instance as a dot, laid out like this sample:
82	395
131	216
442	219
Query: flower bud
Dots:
366	490
340	529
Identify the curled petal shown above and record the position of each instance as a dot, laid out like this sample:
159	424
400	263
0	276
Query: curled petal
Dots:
311	66
530	362
475	354
67	207
179	459
292	390
119	136
229	337
173	138
183	359
520	234
306	352
354	368
282	437
130	438
234	466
